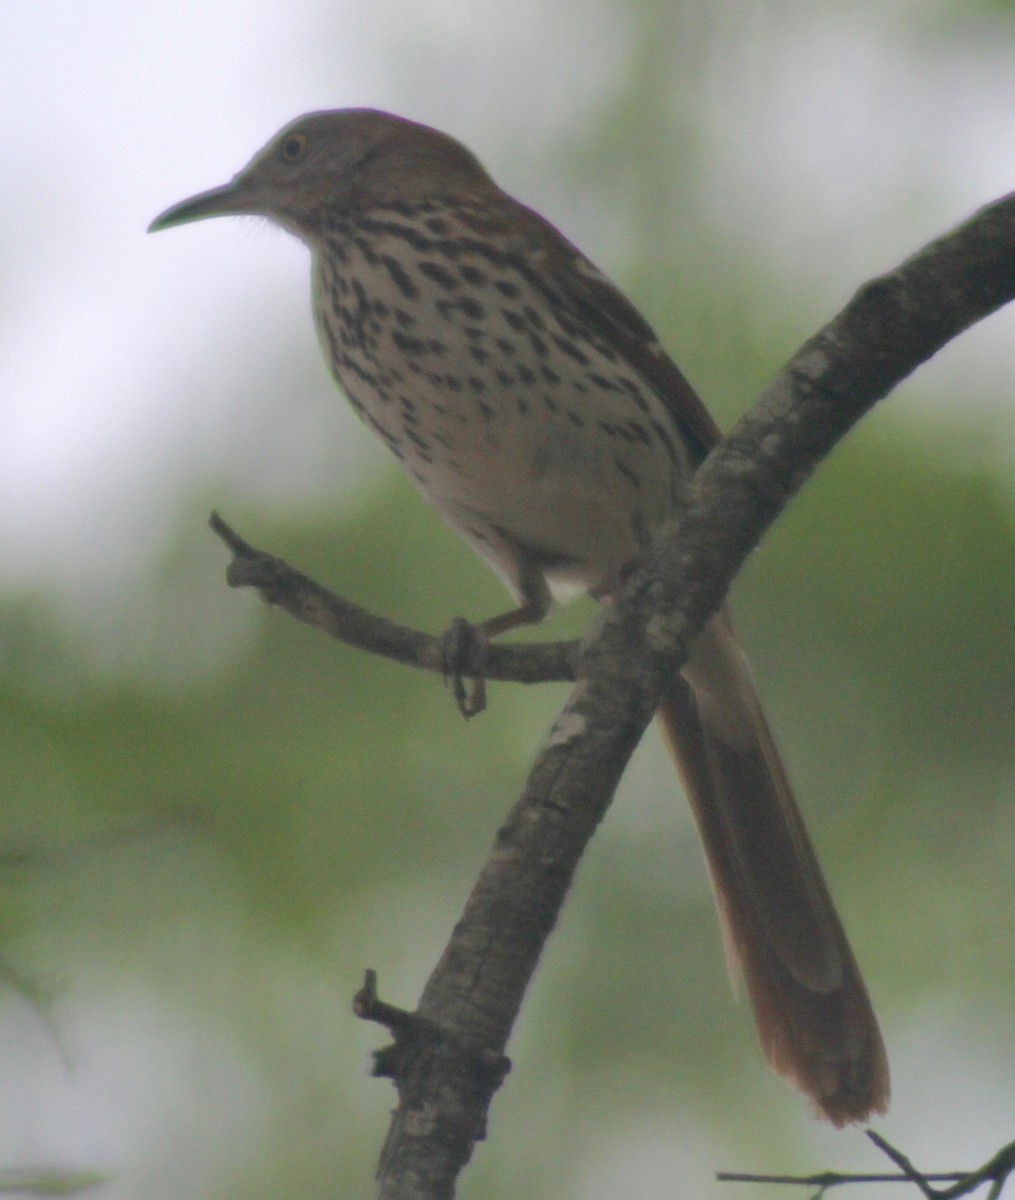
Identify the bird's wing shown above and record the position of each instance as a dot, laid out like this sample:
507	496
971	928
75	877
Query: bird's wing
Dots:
607	312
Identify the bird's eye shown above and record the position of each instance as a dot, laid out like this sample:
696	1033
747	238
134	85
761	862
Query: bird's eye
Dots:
293	147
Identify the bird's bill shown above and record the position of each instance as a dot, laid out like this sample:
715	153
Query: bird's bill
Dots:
233	199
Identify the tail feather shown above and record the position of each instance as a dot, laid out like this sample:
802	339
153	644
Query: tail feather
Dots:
814	1019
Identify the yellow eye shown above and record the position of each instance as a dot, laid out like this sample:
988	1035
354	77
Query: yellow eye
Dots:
293	147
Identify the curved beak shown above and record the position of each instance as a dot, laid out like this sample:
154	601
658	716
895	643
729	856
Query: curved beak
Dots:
233	199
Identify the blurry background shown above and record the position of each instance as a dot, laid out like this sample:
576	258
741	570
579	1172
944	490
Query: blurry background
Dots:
212	820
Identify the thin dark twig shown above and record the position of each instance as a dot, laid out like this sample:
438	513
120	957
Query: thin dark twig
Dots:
827	1179
904	1164
368	1006
996	1170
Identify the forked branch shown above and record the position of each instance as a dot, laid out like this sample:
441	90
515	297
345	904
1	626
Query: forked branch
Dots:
996	1171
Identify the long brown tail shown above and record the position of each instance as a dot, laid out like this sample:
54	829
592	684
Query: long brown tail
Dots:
813	1016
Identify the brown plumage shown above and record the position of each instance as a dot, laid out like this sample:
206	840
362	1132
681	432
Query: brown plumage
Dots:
535	409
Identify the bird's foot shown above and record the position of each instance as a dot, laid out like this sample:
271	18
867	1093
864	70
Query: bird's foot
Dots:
464	650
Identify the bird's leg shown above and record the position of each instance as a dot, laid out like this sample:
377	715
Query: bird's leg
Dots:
465	645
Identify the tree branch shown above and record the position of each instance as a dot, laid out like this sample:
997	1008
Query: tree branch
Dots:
996	1171
289	589
469	1004
892	325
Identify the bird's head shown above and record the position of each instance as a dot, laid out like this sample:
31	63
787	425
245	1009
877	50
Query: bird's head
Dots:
353	157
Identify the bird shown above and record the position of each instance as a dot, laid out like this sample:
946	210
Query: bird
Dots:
535	408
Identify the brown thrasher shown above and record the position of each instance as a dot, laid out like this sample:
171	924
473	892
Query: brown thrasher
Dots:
534	408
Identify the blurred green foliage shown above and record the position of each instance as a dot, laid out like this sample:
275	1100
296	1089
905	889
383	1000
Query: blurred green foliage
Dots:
305	800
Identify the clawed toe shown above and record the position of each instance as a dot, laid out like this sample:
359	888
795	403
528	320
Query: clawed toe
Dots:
464	649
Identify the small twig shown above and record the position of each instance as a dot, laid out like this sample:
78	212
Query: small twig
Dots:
996	1169
312	604
826	1179
411	1032
420	1041
905	1165
368	1006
